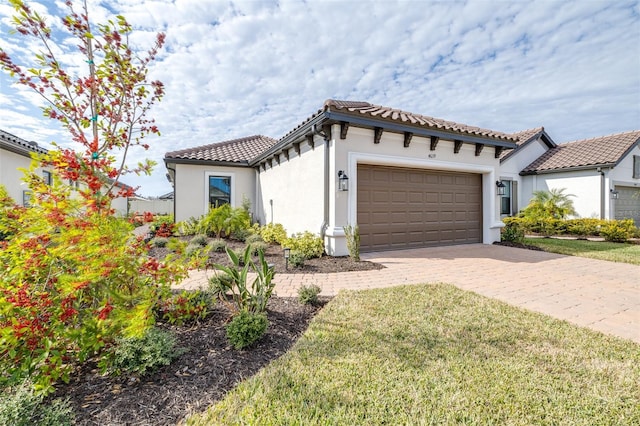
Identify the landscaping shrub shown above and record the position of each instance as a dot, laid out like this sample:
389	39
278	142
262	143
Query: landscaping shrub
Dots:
306	243
308	294
554	204
246	328
258	246
618	231
141	355
225	220
352	234
237	293
187	227
241	234
193	250
199	240
21	406
188	306
217	245
162	226
584	227
253	238
273	233
160	241
513	231
297	259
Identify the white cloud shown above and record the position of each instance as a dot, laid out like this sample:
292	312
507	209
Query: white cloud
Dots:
236	69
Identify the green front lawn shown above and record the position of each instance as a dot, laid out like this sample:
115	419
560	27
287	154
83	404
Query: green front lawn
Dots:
614	252
434	354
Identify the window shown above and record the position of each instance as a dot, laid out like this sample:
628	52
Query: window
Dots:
46	176
26	198
509	201
219	190
636	166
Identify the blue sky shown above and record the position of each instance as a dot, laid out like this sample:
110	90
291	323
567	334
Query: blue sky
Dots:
234	69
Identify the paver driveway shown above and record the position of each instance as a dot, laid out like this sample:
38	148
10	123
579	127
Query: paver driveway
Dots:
601	295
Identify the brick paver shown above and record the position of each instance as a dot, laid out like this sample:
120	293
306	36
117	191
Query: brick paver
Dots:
603	296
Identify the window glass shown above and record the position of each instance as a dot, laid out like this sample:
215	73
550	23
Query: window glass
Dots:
46	175
636	166
219	190
26	198
505	200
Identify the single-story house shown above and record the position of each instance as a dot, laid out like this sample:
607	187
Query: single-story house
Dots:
407	180
15	154
602	173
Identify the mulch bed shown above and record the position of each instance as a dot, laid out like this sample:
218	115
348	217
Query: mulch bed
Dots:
518	245
275	256
195	380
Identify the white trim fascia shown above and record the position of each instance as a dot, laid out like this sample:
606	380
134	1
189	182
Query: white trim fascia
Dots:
207	174
488	182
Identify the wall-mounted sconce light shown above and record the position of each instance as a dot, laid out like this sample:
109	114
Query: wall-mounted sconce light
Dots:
343	181
287	254
500	188
614	194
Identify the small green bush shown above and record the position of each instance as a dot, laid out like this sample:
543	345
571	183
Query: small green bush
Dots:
352	234
189	226
186	307
297	259
513	231
241	234
309	294
160	242
273	233
584	227
258	246
200	240
224	220
193	249
306	243
253	238
618	231
140	355
21	406
218	245
246	328
219	285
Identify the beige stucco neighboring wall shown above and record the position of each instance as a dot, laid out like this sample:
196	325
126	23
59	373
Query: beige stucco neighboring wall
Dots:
292	192
191	186
359	147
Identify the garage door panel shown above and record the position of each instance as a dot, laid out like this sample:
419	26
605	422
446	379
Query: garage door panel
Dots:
401	208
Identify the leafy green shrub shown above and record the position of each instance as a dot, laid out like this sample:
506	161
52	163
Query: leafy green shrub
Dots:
352	234
193	250
306	243
217	245
253	238
308	294
513	231
258	246
200	240
21	406
225	220
553	204
188	306
273	233
160	242
140	355
190	226
618	231
246	328
162	226
239	295
584	227
241	234
218	285
297	259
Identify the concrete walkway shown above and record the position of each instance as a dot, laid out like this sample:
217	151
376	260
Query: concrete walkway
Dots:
604	296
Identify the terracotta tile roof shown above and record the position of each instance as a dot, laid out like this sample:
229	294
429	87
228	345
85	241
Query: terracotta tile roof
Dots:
396	115
601	151
522	138
232	151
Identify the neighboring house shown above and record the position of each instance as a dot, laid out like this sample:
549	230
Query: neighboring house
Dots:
15	154
405	179
602	173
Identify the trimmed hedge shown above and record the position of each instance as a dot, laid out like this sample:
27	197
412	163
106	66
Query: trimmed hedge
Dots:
611	230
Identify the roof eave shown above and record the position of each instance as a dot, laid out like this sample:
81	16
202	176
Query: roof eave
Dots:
206	162
567	169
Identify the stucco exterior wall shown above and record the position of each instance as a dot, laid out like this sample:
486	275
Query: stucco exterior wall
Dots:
359	147
191	186
10	176
292	192
623	172
585	185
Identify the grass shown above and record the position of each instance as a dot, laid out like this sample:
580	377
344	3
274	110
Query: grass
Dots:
434	354
614	252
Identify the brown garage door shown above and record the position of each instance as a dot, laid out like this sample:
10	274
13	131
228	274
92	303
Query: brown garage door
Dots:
627	206
404	208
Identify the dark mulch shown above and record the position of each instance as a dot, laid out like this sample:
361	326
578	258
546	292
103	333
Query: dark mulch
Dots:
275	256
518	245
195	380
